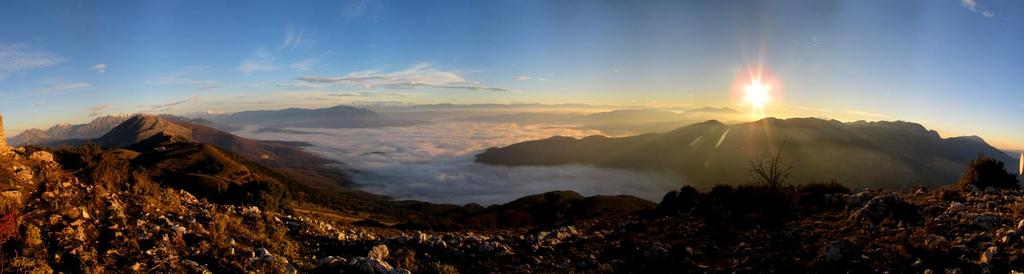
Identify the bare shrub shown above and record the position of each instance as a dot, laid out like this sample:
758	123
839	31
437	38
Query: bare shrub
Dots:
770	169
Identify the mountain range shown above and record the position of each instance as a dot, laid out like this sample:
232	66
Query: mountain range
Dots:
226	168
860	153
94	129
619	121
334	117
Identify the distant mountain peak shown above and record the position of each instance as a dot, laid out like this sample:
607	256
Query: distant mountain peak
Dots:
144	127
65	131
720	110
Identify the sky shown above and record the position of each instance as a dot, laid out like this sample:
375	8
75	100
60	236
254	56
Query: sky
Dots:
952	65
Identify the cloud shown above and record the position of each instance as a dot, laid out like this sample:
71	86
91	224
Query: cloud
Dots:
865	113
417	76
301	85
210	86
63	87
19	57
355	9
171	105
186	77
365	94
98	110
974	6
435	163
295	38
528	78
304	64
259	61
99	68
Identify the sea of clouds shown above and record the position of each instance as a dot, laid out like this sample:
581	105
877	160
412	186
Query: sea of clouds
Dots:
434	162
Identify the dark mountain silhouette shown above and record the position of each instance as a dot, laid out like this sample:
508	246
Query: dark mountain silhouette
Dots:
856	154
333	117
94	129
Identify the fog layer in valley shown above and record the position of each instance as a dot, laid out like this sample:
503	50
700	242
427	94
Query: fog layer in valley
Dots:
434	162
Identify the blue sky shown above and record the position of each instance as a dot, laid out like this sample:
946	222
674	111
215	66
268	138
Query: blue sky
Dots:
953	65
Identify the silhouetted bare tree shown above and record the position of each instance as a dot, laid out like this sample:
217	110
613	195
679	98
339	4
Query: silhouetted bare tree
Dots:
770	169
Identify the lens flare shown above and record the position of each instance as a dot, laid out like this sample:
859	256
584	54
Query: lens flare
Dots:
757	97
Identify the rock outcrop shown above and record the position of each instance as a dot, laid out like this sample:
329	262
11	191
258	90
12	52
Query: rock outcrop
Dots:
4	148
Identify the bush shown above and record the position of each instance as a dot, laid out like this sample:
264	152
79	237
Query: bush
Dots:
8	221
824	188
986	172
681	200
815	197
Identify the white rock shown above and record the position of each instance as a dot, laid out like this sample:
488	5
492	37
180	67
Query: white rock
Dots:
379	252
42	156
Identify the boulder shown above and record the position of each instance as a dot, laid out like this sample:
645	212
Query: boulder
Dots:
989	255
42	156
988	221
493	247
370	265
379	252
839	252
13	196
956	206
889	206
22	173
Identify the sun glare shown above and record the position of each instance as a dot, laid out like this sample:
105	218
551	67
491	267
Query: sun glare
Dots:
756	95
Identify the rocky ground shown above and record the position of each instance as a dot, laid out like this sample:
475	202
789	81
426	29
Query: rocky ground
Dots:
55	221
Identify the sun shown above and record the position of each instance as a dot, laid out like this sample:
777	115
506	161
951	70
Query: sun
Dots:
756	96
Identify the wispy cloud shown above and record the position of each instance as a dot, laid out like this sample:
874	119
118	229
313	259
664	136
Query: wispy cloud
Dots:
355	9
98	110
259	61
20	57
63	87
301	85
528	78
210	86
99	68
865	113
417	76
366	94
304	64
186	77
974	6
171	105
295	38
